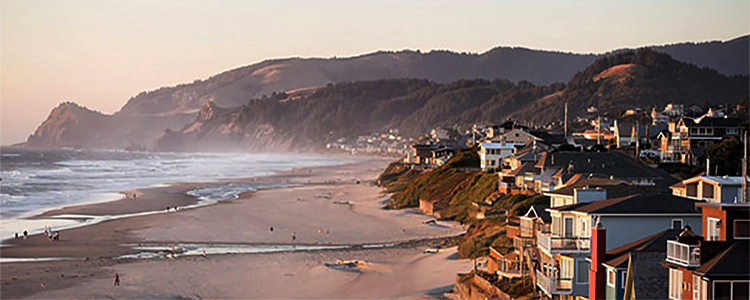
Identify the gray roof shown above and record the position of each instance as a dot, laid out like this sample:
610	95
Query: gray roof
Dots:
637	204
614	164
650	279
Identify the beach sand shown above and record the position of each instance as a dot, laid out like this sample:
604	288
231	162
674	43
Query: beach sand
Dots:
332	205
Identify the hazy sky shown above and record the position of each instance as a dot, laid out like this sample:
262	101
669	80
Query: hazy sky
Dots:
101	53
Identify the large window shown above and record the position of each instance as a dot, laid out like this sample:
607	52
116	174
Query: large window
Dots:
696	287
742	229
737	290
675	284
582	272
566	268
714	229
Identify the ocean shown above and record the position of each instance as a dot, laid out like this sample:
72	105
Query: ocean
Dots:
35	181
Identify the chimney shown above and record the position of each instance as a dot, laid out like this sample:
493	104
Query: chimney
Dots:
597	273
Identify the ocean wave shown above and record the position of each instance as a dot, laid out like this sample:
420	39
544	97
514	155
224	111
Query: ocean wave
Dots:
222	192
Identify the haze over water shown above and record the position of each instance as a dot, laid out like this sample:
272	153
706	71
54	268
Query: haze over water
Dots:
41	180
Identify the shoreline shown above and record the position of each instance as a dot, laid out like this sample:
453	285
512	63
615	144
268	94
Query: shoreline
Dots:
103	206
332	205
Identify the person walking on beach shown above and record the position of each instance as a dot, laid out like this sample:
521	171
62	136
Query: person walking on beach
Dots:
117	279
25	234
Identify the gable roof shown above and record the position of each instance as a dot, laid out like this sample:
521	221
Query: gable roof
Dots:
650	279
712	122
653	204
578	181
606	164
731	262
539	211
657	242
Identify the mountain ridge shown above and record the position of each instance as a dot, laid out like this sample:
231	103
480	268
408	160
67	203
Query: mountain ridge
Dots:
146	116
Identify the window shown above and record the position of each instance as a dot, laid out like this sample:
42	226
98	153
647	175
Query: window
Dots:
623	276
611	277
585	230
568	227
742	229
675	284
676	223
739	289
696	287
566	266
582	272
714	229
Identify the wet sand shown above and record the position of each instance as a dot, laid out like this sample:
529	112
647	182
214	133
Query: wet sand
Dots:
334	205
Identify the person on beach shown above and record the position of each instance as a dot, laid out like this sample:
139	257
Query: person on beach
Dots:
25	234
203	253
117	279
271	229
16	235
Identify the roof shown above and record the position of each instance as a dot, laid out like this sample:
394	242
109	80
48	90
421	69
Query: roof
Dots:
614	164
721	180
540	211
496	145
731	262
714	122
583	181
525	167
650	279
688	237
637	204
549	138
657	242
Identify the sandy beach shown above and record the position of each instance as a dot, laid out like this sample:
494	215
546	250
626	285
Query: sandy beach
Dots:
333	206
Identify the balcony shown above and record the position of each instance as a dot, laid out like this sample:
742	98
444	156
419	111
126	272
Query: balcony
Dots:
683	254
551	244
523	242
552	285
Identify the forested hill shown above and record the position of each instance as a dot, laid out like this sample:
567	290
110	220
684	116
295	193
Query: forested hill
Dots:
293	120
233	88
642	78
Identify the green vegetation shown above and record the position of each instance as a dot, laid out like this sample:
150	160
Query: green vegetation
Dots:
726	158
455	191
680	170
440	184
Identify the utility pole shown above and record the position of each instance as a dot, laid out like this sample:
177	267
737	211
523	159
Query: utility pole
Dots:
598	130
566	121
744	171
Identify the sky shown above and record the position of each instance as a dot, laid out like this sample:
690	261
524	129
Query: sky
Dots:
101	53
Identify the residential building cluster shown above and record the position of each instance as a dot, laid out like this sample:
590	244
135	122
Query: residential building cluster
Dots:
615	227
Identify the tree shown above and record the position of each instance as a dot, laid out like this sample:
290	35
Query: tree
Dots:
726	158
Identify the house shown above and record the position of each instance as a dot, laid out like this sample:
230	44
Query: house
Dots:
724	189
616	264
419	154
564	263
517	262
605	164
715	265
491	154
587	188
690	137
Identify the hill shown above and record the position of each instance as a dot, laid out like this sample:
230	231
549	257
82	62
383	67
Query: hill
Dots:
345	97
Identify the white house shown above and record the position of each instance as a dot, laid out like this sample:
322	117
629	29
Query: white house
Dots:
491	154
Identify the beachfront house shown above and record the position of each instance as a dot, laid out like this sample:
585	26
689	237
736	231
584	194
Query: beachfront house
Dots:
715	265
564	250
724	189
491	154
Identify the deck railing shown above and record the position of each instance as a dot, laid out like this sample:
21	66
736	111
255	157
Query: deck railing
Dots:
551	243
683	254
